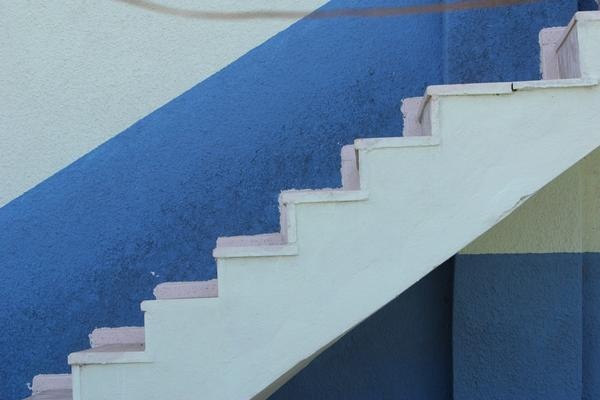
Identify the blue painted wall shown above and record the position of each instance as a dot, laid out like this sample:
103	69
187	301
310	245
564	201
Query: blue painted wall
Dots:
527	326
591	326
517	329
83	248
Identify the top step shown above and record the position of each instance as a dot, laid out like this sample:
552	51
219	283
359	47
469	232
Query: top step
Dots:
570	52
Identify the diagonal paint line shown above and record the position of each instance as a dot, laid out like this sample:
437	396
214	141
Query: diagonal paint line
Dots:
344	12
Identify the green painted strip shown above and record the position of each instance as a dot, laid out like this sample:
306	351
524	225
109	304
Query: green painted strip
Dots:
563	217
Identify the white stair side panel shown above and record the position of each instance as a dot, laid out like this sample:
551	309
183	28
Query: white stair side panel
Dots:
276	312
187	290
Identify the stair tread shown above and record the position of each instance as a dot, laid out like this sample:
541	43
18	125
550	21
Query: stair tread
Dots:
120	335
111	354
187	290
116	348
321	195
63	394
263	239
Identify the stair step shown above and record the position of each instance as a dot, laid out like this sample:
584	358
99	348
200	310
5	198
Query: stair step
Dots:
278	243
65	394
266	239
43	382
111	354
122	335
186	290
51	387
266	245
349	168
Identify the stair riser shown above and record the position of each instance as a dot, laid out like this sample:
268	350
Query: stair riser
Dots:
349	169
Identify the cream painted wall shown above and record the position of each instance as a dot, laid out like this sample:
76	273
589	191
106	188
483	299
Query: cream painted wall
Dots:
76	72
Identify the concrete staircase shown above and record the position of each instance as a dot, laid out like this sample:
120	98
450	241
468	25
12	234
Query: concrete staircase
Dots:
469	156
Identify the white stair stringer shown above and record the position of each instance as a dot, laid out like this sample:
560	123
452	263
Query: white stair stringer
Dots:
480	152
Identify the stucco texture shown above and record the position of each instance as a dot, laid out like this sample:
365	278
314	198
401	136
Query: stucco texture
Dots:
76	72
84	247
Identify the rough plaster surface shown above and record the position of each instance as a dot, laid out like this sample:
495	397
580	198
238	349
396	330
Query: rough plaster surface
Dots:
182	200
529	283
75	73
491	45
517	326
591	326
524	286
562	217
123	335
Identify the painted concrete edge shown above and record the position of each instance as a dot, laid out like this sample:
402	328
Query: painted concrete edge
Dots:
411	112
555	84
396	142
46	382
321	196
61	394
270	239
111	354
122	335
187	290
286	250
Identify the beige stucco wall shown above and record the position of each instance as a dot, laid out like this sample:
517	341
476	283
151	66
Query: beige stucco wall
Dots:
76	72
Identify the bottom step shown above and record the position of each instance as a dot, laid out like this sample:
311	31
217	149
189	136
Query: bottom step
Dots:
51	387
53	395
